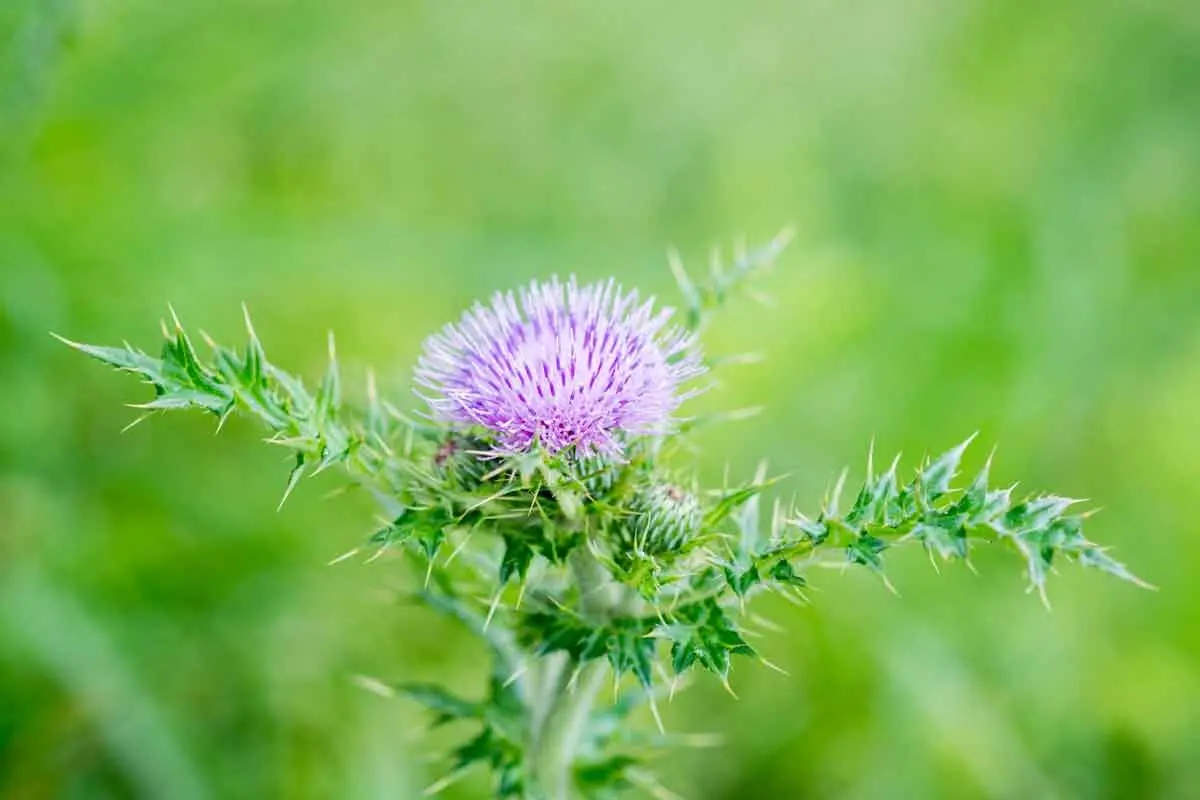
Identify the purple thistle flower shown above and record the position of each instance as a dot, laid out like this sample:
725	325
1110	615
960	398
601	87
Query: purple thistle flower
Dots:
561	365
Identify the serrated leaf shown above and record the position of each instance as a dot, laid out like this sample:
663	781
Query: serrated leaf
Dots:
631	650
518	555
702	634
872	502
1036	513
936	478
866	550
184	399
742	580
944	537
125	358
816	531
783	572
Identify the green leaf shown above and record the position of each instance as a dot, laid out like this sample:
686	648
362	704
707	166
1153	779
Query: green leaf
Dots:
944	537
605	779
518	555
631	649
870	506
625	642
703	635
1036	513
502	755
701	299
866	550
446	706
782	572
329	396
741	581
936	477
125	358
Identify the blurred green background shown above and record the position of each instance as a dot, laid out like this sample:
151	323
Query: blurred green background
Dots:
997	208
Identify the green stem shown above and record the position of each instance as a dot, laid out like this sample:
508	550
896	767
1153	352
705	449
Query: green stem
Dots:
558	739
568	689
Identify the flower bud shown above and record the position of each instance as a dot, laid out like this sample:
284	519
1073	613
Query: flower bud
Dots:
458	459
665	518
597	473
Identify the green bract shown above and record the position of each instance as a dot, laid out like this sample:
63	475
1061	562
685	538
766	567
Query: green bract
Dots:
593	568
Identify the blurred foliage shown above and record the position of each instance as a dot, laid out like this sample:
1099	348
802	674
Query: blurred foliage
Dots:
997	227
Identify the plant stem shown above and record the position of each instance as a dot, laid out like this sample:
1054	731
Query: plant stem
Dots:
559	737
569	688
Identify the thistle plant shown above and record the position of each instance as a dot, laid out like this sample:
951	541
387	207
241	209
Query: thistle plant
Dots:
541	492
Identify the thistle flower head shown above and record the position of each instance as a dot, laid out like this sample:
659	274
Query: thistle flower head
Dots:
560	365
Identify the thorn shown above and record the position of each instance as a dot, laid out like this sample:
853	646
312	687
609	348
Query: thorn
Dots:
293	479
338	491
836	496
871	460
372	388
675	263
491	609
140	419
766	624
1045	597
66	341
379	551
439	786
795	598
573	681
516	676
348	554
374	686
728	688
650	784
175	318
249	324
459	549
654	711
774	667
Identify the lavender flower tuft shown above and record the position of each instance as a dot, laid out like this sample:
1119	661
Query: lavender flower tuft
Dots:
561	366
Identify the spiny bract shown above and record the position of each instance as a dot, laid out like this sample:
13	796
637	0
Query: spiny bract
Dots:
560	366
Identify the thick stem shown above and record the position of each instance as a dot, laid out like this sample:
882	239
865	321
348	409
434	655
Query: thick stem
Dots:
562	728
569	688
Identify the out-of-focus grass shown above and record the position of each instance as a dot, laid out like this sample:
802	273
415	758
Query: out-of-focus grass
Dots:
998	229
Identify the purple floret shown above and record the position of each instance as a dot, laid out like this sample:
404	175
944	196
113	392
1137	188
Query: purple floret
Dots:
560	365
